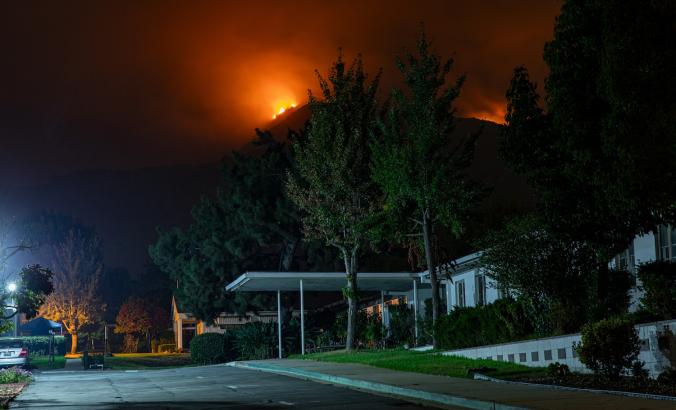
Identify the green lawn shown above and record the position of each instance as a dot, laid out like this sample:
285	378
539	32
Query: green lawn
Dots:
132	361
42	362
425	362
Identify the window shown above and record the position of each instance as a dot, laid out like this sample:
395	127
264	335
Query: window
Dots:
666	243
480	290
460	293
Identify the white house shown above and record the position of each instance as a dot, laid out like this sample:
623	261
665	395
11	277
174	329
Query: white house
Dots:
470	286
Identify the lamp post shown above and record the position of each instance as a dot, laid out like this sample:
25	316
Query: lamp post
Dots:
11	288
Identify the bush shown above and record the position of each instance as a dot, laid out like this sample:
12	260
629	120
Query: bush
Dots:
667	377
609	346
401	325
558	371
256	341
39	345
209	348
15	375
505	320
659	285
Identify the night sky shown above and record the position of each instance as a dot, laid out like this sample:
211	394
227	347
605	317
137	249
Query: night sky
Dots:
121	85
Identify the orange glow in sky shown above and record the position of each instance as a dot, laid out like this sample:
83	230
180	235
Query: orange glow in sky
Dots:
282	108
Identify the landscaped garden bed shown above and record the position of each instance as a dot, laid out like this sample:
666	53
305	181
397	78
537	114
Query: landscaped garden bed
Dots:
590	381
12	382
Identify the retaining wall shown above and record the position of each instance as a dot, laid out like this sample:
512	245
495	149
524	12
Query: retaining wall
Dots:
542	352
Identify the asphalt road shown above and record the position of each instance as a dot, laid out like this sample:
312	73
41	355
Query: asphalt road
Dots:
207	387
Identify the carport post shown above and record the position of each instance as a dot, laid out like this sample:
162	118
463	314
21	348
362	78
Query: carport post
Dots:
415	310
302	320
279	323
448	296
382	314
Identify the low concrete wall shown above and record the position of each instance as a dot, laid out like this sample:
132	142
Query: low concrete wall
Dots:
542	352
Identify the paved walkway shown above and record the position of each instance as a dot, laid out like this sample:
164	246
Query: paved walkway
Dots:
73	364
456	391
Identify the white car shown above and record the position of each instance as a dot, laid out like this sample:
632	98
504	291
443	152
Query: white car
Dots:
13	353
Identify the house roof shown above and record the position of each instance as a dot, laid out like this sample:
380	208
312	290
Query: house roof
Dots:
457	266
322	281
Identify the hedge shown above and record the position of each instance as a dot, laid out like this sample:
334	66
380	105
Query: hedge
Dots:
210	348
39	345
505	320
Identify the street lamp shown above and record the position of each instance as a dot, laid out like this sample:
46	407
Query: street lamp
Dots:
11	288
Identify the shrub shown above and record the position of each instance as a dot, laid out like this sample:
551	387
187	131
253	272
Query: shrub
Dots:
256	341
667	377
558	371
659	285
209	348
15	375
39	345
639	371
504	320
609	346
401	324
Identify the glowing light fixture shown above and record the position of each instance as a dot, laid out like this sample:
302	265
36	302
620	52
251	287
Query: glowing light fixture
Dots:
11	287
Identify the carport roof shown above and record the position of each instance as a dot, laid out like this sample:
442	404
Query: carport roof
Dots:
322	281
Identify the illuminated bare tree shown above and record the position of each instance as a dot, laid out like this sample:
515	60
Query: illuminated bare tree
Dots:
76	261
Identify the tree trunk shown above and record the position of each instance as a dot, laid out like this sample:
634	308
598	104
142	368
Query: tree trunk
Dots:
73	343
431	268
286	258
351	294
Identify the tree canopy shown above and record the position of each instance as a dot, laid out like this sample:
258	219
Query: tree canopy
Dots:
417	164
74	253
601	156
331	183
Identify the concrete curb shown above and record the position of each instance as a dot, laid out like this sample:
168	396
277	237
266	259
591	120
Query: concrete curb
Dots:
437	398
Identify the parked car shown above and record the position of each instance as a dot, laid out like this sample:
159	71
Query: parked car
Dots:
13	353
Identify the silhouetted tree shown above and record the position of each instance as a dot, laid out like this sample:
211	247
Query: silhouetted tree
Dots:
602	155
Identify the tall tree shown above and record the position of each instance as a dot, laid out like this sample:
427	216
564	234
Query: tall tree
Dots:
254	188
602	155
75	256
332	183
417	162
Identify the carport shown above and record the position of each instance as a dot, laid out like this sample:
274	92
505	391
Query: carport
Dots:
324	282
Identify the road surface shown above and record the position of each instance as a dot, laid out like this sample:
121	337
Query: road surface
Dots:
207	387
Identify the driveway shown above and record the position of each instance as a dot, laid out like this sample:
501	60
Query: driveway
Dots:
207	387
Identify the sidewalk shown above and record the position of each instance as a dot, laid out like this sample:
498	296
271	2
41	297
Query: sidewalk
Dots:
73	364
447	391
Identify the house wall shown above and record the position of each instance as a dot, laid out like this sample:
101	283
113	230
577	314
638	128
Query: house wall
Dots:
468	278
542	352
